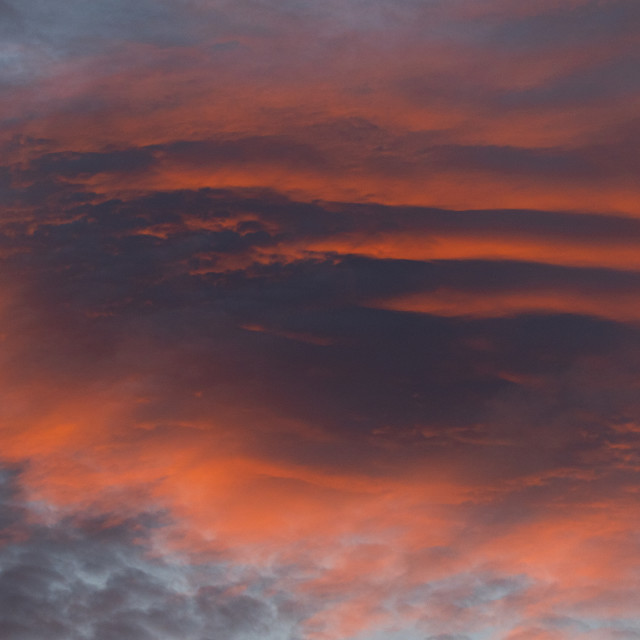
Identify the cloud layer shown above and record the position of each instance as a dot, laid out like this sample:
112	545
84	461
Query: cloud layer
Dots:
319	322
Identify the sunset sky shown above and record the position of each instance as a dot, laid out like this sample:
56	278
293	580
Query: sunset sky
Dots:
319	319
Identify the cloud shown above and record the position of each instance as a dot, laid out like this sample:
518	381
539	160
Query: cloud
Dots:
188	268
320	321
189	80
77	577
204	352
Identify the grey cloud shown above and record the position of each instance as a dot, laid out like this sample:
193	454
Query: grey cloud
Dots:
625	634
88	579
616	79
606	75
558	26
67	29
71	26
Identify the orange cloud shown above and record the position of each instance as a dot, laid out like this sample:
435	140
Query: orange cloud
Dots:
451	468
621	307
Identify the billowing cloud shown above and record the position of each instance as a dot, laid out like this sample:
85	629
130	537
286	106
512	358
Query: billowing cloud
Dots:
75	577
319	321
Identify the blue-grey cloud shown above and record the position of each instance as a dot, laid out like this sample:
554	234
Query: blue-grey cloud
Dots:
82	578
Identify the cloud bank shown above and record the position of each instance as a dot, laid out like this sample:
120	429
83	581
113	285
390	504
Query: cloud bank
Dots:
319	322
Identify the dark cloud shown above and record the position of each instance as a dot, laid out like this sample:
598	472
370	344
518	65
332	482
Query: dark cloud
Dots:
145	286
202	153
67	164
271	150
529	162
83	578
613	78
559	26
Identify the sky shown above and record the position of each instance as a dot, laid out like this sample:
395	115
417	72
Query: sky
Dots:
319	320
